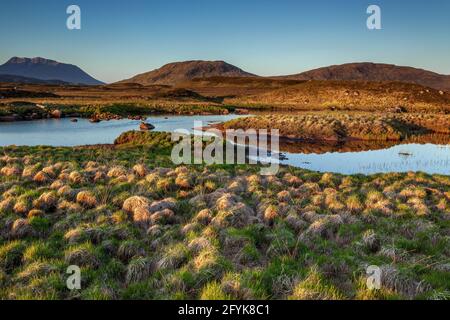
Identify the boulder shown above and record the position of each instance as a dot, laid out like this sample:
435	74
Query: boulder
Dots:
144	126
56	114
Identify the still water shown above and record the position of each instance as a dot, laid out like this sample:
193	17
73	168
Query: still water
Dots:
430	158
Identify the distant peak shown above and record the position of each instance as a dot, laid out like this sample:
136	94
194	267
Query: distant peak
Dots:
45	69
36	60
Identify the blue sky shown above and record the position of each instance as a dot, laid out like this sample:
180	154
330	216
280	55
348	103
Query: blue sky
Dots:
121	38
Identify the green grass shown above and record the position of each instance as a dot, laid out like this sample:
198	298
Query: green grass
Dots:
316	247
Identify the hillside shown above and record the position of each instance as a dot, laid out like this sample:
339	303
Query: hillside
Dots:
44	69
175	73
234	86
351	95
376	72
7	78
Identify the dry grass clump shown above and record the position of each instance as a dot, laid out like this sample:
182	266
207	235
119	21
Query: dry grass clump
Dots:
135	202
76	177
22	205
117	171
21	228
230	234
168	203
376	201
353	203
35	269
173	257
50	171
35	213
419	206
162	216
183	181
42	178
271	213
371	241
87	199
140	170
206	259
7	204
69	207
199	244
138	269
325	227
232	213
392	279
46	202
30	170
67	192
10	171
204	217
315	287
331	200
81	255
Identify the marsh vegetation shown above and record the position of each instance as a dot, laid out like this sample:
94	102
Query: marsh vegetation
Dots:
141	228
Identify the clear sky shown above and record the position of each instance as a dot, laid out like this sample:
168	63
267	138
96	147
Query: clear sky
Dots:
120	38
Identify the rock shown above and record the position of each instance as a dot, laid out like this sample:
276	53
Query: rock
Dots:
74	120
146	126
56	114
441	93
94	120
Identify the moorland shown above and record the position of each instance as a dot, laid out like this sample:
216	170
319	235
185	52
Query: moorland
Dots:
141	227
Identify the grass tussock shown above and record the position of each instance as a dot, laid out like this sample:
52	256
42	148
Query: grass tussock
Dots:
148	229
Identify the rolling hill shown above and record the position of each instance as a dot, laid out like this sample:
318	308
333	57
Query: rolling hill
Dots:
25	80
44	69
375	72
177	72
350	95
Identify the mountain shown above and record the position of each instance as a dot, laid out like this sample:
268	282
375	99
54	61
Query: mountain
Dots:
177	72
375	72
20	79
44	69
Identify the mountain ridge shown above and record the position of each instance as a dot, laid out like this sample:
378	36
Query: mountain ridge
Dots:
46	69
370	71
177	72
8	78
